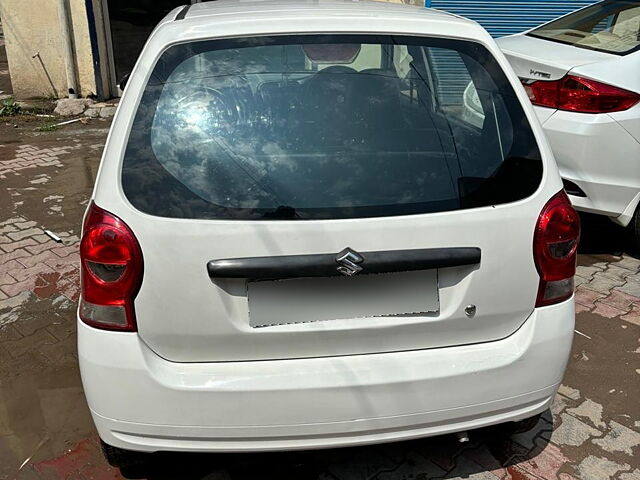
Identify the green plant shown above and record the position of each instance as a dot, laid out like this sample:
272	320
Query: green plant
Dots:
9	107
47	127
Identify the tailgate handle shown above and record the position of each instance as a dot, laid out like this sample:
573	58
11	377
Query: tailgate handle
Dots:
347	262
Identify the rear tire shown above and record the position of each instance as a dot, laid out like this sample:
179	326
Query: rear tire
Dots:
121	458
634	230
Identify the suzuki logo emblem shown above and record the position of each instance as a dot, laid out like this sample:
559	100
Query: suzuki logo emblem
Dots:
349	260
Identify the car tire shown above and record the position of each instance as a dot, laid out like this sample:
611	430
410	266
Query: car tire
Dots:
634	230
121	458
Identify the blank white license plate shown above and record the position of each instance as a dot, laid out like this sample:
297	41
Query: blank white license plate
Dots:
301	300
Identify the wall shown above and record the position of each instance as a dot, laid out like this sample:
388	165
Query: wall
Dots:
417	3
31	27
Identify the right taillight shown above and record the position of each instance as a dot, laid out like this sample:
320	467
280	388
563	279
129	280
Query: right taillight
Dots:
555	245
578	94
111	271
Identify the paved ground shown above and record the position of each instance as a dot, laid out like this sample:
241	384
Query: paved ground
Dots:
46	432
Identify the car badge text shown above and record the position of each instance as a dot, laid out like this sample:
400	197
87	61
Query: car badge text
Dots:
538	73
348	261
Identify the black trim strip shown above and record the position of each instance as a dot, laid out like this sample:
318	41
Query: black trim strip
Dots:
572	189
325	265
182	13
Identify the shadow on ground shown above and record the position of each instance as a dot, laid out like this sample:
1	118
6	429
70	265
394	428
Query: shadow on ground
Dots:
436	457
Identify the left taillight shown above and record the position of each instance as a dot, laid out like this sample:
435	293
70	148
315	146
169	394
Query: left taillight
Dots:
581	95
111	271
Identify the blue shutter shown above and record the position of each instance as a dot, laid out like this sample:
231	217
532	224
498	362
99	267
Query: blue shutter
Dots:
505	18
453	77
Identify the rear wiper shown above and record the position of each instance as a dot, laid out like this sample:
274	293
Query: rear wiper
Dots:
282	212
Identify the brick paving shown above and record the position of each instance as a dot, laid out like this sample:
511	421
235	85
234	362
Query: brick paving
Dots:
29	156
591	432
33	263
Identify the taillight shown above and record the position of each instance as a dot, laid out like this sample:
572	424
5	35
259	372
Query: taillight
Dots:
555	245
111	271
577	94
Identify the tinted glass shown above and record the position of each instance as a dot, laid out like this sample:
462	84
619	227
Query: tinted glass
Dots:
611	27
324	127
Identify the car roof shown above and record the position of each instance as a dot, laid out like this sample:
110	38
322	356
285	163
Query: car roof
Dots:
236	18
324	8
246	7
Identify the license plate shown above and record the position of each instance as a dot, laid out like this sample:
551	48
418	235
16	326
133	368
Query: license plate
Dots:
302	300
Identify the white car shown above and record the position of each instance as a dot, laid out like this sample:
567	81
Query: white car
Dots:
297	241
582	73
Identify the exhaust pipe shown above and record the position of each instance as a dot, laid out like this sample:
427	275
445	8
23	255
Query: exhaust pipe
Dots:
463	437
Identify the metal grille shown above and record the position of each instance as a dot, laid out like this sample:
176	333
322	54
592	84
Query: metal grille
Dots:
505	18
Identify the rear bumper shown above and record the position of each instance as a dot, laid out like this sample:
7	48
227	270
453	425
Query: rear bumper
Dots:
596	153
140	401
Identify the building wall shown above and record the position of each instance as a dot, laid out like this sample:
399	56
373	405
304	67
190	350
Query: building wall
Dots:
32	27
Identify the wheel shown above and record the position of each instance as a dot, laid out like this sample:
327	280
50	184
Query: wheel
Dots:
634	229
121	458
521	426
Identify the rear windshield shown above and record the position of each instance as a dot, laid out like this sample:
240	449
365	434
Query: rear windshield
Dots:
610	26
327	127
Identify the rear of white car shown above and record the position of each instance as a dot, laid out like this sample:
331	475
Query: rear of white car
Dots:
582	73
296	240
